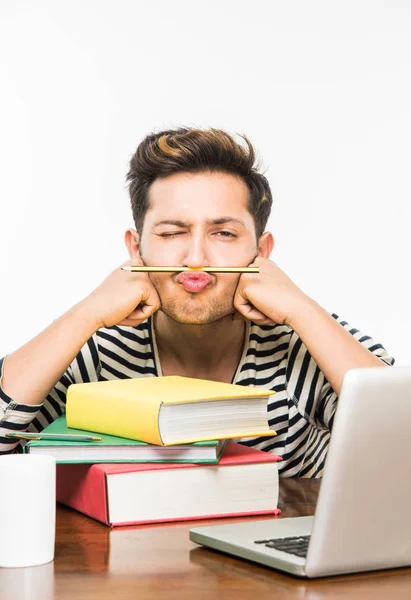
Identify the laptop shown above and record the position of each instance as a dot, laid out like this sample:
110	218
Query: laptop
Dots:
362	520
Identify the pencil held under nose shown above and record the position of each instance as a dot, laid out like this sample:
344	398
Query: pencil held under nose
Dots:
176	269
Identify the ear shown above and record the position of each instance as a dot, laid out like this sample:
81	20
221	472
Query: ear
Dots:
132	240
265	245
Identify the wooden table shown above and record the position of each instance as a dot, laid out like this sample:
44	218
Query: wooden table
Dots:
156	562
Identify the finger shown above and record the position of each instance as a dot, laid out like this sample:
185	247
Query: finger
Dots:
265	321
149	309
255	315
149	305
259	318
142	313
249	312
130	322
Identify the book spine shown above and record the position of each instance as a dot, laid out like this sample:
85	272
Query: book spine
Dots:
83	487
127	417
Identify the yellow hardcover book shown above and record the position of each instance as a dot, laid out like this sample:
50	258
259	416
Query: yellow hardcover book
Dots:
168	410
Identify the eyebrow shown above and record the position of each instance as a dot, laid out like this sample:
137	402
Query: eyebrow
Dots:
219	221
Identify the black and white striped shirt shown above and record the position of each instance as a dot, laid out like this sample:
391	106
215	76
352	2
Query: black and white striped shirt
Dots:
274	357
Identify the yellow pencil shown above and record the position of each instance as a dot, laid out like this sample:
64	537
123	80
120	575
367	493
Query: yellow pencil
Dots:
146	269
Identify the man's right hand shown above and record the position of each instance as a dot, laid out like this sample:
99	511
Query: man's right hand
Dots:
123	298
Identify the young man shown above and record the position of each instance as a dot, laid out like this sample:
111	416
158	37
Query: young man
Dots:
197	200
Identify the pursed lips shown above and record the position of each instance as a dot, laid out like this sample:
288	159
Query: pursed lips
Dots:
194	282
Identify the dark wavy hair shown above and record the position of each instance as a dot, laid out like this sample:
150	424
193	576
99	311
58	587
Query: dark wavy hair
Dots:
194	151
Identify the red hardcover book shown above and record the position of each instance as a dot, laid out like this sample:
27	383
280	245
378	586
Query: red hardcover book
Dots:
244	482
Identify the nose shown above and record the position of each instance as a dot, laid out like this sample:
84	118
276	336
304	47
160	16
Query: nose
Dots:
196	254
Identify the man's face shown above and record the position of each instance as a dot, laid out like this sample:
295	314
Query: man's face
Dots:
198	220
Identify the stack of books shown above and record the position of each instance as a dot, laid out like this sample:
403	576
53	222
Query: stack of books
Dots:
165	453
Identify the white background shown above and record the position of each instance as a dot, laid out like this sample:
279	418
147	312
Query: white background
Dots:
323	89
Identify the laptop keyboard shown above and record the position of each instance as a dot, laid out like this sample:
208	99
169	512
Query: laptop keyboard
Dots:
297	545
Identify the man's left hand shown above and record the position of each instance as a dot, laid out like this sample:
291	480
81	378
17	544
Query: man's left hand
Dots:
268	297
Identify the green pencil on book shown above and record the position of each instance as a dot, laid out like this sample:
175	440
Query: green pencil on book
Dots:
62	443
56	437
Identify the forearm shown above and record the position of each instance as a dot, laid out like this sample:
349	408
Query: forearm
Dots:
332	347
31	372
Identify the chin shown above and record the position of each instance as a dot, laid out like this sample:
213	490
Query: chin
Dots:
196	317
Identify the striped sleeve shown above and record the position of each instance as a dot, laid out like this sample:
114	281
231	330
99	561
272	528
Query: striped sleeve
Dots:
307	386
15	416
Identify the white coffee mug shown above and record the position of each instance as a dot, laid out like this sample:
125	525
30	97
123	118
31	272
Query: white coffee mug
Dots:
27	510
31	583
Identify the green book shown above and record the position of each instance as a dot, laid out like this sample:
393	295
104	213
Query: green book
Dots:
114	449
